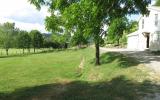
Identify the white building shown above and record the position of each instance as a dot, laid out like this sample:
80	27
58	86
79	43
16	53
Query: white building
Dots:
148	34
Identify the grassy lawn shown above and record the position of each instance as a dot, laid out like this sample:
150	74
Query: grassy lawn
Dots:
57	76
13	52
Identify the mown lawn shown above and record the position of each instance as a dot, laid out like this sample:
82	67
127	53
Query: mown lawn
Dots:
57	76
14	51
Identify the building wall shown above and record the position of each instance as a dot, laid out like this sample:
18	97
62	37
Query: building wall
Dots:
149	22
150	27
155	41
133	42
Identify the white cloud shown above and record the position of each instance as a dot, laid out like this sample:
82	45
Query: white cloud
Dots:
25	26
25	15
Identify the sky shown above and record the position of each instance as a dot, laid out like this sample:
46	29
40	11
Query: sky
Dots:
136	17
26	16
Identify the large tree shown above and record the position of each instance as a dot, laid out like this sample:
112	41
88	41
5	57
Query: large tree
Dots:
60	36
24	40
78	40
37	39
89	16
116	29
7	33
132	27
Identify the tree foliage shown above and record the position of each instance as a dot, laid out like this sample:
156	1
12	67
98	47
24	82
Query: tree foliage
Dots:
24	40
7	33
54	24
36	38
59	40
132	27
12	37
116	29
78	40
119	29
157	3
88	16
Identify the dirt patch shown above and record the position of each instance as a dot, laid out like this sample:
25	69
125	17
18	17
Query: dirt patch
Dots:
81	66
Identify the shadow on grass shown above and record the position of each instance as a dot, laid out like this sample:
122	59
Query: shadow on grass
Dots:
122	60
117	89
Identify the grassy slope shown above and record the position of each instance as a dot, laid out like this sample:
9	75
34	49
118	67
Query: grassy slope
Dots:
54	76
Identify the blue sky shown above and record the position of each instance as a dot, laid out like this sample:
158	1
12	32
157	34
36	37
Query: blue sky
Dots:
134	17
26	16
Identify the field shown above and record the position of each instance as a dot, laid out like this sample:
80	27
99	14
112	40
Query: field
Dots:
72	75
13	52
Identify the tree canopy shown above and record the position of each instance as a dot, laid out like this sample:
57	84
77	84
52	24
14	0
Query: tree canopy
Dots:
157	3
24	40
36	38
88	16
117	28
7	33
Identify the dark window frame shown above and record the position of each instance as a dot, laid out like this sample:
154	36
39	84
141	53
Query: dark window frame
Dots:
156	19
142	23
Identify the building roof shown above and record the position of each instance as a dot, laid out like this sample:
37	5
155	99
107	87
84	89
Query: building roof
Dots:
156	8
133	34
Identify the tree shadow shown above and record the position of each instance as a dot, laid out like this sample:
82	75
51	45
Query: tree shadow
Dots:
122	60
156	52
118	88
146	57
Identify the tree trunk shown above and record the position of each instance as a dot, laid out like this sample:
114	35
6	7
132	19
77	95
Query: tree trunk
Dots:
97	53
118	42
28	50
7	52
34	49
23	50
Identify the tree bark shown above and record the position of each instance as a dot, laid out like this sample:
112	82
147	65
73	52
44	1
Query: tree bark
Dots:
118	42
7	52
97	53
23	50
34	49
28	50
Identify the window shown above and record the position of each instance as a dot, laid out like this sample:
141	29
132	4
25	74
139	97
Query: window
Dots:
158	35
155	37
156	19
142	23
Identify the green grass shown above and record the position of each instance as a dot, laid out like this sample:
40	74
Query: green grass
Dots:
14	51
56	76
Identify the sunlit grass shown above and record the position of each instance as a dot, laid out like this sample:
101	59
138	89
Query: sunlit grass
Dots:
56	76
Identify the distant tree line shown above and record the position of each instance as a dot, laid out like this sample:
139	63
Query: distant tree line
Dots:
12	37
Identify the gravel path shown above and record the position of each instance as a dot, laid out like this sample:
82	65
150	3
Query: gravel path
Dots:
151	61
145	57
